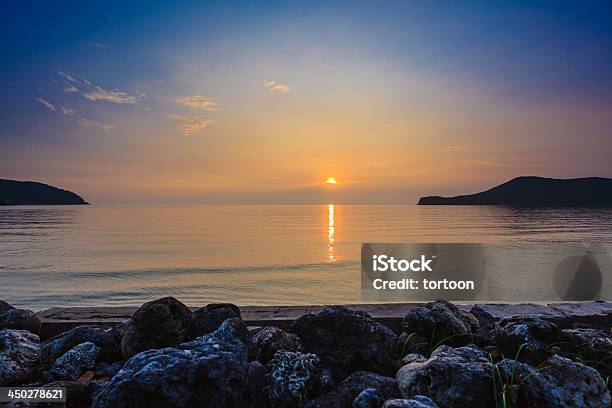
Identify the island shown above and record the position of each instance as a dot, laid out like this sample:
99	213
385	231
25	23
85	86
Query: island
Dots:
14	192
537	191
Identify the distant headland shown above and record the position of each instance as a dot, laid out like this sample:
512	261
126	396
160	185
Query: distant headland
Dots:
537	191
32	193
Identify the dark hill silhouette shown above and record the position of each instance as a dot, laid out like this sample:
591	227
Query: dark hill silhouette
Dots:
537	191
31	193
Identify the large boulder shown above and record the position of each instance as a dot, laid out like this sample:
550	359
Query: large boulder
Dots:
344	395
526	339
107	338
255	384
161	323
208	318
19	319
292	376
452	377
19	356
589	346
348	341
75	362
232	335
428	326
271	339
558	383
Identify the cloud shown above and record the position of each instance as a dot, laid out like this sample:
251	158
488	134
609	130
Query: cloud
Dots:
274	86
190	125
70	88
90	123
114	96
46	104
452	148
67	110
67	76
199	102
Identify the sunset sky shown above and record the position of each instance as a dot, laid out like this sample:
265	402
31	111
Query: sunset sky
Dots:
261	102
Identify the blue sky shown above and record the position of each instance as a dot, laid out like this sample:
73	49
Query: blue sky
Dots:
260	101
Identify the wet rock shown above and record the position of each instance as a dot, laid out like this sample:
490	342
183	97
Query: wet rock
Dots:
346	392
205	377
20	319
559	383
75	362
590	346
291	377
271	339
369	398
19	356
161	323
105	338
208	318
348	341
418	401
525	339
441	322
453	377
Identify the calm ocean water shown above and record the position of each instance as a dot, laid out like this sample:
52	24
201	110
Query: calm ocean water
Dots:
249	255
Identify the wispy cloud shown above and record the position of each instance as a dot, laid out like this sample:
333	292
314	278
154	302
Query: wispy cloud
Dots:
98	45
190	125
69	88
67	76
274	86
92	124
46	104
199	102
67	110
114	96
452	148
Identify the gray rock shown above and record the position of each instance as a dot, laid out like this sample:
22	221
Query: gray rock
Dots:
369	398
208	318
453	377
232	336
346	392
559	383
589	346
205	377
348	341
75	362
413	358
20	319
291	377
525	339
418	401
103	369
4	306
271	339
161	323
441	322
255	383
19	356
106	338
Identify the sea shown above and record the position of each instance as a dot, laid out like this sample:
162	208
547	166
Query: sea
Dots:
125	255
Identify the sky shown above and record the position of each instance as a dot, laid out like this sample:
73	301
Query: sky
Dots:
260	102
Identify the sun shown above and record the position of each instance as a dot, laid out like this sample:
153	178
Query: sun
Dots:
331	180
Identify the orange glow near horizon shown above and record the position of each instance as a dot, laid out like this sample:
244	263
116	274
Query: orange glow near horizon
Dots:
331	180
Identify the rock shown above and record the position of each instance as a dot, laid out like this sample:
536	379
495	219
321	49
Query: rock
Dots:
413	358
559	383
271	339
590	346
19	356
208	318
4	306
346	392
78	395
255	383
161	323
232	335
347	340
525	339
369	398
75	362
105	338
453	377
418	401
291	377
205	377
20	319
103	369
441	322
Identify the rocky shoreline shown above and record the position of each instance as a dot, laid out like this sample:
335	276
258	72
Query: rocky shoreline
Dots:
166	355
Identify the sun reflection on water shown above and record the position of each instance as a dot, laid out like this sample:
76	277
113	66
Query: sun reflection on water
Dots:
331	230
